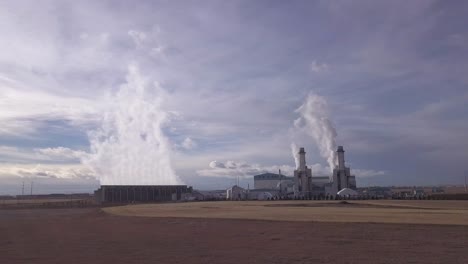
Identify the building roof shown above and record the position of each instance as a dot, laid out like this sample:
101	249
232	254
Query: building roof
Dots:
235	187
271	176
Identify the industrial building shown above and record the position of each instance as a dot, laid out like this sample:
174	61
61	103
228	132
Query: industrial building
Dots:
342	177
236	193
303	184
302	177
140	193
271	181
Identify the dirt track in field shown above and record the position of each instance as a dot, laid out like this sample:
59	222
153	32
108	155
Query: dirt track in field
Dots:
90	236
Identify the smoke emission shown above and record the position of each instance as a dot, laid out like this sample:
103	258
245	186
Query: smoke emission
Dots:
295	153
130	147
314	120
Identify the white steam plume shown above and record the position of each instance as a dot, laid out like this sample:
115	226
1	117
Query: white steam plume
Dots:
130	147
314	120
295	153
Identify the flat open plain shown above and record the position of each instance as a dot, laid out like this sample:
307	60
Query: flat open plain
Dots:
198	235
384	211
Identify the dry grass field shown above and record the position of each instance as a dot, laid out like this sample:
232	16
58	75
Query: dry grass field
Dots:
212	232
384	211
45	203
37	201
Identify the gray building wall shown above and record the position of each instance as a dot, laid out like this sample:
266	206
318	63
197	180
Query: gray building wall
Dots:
269	180
139	193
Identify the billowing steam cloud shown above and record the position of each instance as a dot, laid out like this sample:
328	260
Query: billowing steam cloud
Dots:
314	120
130	146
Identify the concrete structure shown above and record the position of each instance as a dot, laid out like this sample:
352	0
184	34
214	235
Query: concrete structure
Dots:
236	193
302	177
276	184
320	181
213	195
285	187
140	193
342	177
271	181
320	184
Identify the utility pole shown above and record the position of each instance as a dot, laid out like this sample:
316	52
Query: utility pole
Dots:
22	190
466	173
31	187
280	182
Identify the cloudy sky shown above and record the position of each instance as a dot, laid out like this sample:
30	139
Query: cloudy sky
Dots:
205	91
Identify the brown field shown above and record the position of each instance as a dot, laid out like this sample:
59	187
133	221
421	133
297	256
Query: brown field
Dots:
90	235
385	211
45	203
37	201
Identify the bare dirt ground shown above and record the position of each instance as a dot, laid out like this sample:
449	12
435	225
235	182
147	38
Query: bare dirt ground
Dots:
89	235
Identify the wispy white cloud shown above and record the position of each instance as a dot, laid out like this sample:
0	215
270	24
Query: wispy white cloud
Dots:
52	171
233	169
55	155
23	111
316	67
138	37
235	77
189	143
62	153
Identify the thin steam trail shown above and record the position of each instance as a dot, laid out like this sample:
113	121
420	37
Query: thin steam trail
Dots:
130	147
295	153
314	120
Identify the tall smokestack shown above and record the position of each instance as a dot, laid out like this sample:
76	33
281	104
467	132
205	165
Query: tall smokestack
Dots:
341	161
302	160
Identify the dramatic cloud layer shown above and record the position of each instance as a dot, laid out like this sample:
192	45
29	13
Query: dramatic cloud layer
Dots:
391	75
53	171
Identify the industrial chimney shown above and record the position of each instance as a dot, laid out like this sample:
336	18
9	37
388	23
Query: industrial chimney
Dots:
302	160
341	161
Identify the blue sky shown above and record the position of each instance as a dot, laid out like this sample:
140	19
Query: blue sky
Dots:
231	76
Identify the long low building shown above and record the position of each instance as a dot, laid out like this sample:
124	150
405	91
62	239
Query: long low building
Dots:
140	193
270	180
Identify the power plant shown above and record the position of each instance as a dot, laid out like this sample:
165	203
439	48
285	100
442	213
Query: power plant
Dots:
306	186
303	184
